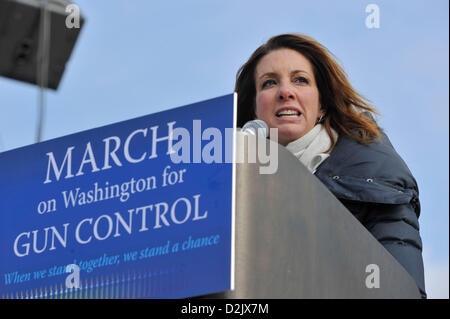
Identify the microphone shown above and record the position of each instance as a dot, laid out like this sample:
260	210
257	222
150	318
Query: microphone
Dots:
256	127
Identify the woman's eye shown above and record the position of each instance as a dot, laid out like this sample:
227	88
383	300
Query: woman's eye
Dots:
301	79
267	83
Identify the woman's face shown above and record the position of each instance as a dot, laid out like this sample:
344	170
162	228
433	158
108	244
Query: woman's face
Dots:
287	97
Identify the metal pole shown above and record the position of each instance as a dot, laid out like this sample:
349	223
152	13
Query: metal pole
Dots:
43	56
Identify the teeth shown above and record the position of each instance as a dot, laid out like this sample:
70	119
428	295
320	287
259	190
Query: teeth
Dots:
288	113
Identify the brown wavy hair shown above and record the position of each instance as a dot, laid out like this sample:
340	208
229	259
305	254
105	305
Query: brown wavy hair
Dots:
346	111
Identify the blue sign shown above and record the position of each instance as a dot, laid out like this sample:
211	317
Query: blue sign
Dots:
137	209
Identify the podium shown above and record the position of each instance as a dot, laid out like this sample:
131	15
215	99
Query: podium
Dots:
294	239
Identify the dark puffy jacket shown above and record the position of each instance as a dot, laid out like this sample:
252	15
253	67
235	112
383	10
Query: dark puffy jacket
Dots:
375	184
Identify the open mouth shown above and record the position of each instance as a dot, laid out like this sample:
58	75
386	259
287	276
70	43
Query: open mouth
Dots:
288	113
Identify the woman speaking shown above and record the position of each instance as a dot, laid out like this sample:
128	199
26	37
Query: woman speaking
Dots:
292	83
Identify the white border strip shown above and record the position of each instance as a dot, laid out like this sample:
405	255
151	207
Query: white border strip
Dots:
233	194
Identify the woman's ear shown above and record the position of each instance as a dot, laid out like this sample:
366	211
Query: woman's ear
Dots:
322	110
322	113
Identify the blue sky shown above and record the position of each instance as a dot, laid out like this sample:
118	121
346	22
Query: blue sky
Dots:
138	57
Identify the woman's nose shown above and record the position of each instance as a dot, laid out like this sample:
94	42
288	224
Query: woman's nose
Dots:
285	92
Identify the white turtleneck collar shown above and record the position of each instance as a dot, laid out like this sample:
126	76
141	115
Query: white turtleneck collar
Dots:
310	148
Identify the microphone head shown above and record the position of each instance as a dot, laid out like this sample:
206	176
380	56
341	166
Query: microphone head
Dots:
256	127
